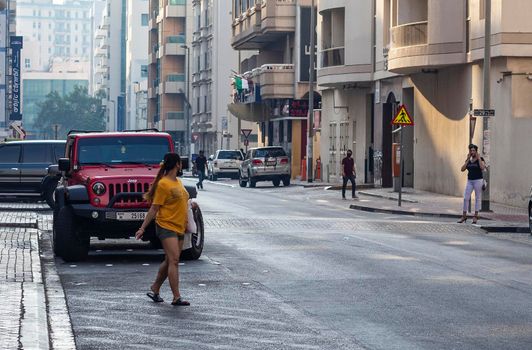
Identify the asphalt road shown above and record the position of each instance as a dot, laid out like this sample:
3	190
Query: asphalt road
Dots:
293	268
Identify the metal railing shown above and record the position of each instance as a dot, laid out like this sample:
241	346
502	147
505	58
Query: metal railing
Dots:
175	77
333	57
176	39
175	115
409	34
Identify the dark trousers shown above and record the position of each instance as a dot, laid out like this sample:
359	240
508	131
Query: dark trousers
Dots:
201	175
344	184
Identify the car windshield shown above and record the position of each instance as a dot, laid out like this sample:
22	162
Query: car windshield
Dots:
269	152
120	150
230	155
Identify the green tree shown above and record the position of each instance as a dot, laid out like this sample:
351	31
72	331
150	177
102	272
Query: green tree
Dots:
77	110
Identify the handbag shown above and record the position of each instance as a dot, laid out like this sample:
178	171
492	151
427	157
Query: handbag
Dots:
191	223
484	185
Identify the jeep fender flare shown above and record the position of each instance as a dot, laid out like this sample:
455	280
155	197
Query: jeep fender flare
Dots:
71	195
46	181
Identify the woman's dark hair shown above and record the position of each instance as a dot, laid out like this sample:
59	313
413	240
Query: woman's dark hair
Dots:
170	161
473	146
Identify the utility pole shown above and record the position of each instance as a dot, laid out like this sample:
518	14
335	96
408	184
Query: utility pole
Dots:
310	123
486	103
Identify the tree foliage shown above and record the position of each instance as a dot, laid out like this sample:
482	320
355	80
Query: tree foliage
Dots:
77	110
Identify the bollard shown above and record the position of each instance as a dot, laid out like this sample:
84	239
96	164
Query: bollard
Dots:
304	169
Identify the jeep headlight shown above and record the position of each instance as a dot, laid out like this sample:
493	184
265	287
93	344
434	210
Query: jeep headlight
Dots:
98	188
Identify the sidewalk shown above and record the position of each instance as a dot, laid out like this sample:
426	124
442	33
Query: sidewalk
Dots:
32	297
502	218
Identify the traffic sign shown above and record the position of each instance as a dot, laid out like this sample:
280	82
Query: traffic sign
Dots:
246	142
484	112
195	137
402	117
246	132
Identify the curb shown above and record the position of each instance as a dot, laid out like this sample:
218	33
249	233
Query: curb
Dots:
2	209
386	197
404	212
487	228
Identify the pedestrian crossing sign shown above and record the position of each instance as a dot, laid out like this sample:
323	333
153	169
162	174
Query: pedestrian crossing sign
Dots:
402	117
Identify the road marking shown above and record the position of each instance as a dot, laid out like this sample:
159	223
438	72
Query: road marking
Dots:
108	265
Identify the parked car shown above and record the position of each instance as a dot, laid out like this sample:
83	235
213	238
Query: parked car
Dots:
265	164
224	163
530	211
105	176
24	166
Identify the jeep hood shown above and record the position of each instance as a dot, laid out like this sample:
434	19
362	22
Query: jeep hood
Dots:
118	173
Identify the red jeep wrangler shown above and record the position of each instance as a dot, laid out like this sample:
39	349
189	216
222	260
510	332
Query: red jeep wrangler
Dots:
100	195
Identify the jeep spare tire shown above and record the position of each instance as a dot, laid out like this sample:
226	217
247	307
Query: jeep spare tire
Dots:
67	241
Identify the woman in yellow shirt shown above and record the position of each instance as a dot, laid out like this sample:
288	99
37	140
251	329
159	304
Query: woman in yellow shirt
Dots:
169	205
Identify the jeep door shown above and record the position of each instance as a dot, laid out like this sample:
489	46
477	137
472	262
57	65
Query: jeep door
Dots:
36	157
9	168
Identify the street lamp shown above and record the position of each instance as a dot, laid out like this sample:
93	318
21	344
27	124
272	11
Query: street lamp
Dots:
188	136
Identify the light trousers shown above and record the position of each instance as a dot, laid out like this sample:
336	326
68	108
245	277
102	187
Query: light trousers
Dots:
473	185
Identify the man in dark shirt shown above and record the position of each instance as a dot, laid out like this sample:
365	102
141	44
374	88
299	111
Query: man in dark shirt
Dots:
201	162
348	173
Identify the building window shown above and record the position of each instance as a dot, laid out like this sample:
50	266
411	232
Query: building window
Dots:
144	71
144	19
27	63
482	9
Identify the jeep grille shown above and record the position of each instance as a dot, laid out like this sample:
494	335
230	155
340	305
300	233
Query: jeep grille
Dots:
116	188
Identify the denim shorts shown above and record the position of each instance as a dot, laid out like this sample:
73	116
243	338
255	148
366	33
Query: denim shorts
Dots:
163	233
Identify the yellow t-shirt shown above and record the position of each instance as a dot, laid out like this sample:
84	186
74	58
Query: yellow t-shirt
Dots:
173	199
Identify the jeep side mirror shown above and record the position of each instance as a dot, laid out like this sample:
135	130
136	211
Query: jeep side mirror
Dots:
63	164
53	170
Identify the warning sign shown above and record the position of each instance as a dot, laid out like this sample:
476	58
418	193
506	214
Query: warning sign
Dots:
402	117
246	132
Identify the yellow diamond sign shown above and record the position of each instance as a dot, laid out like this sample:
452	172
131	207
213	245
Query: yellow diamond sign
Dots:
402	117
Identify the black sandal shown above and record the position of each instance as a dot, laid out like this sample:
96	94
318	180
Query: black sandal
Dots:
155	297
180	302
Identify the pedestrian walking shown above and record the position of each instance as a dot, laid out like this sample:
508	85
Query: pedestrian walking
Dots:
349	174
169	205
475	165
201	162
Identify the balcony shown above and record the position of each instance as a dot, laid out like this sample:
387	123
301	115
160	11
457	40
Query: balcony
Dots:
174	84
175	9
277	81
101	69
100	52
333	57
427	40
174	124
263	24
105	23
100	34
172	48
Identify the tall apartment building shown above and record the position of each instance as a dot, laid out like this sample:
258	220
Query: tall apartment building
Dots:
110	62
137	64
8	11
213	126
375	55
271	87
54	29
169	47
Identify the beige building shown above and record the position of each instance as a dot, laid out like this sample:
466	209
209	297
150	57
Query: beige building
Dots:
375	55
271	86
167	74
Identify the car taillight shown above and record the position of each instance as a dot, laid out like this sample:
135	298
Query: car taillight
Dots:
284	161
256	162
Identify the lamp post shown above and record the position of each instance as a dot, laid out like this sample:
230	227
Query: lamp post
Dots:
486	103
310	123
188	135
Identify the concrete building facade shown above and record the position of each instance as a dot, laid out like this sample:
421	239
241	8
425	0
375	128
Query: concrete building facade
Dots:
169	43
54	29
271	87
375	55
213	126
8	11
136	63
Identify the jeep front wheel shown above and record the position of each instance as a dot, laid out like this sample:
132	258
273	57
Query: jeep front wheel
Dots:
196	239
49	193
68	243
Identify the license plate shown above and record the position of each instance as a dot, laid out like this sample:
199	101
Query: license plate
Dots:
131	216
272	163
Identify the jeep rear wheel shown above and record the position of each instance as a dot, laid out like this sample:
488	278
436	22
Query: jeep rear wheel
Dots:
68	244
197	238
276	182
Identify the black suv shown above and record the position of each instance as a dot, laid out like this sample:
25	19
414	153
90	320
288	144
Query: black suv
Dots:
24	166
